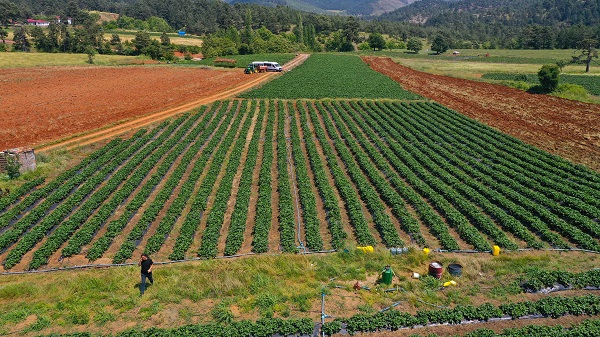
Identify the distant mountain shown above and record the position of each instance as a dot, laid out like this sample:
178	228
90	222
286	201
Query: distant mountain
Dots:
438	13
344	7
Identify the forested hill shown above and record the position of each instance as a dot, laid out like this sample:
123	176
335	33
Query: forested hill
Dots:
195	16
349	7
519	13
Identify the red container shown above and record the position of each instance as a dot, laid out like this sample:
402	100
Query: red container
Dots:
436	269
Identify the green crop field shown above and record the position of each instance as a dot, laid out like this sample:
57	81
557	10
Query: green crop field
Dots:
331	76
470	187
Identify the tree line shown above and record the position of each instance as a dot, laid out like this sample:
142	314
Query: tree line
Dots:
488	24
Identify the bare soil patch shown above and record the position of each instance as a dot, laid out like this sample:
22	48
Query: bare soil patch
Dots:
566	128
38	105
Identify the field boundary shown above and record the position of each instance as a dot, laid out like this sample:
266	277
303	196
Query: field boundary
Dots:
300	252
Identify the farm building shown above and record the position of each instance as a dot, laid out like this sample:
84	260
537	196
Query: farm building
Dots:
25	156
39	23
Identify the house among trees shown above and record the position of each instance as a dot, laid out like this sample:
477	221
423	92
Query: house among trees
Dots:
44	23
24	155
39	23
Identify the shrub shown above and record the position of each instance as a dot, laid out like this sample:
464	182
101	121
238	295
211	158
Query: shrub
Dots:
13	167
521	85
364	46
548	76
572	91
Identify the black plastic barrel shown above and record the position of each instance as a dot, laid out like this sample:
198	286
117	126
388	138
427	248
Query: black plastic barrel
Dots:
455	269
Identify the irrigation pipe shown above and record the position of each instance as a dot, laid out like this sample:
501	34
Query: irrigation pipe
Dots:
107	265
467	251
306	252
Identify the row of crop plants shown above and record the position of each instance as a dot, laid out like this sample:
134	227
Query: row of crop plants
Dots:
537	279
500	199
152	211
133	171
264	212
215	132
425	183
139	182
165	194
287	213
415	151
34	226
308	200
212	231
239	217
267	327
553	307
556	212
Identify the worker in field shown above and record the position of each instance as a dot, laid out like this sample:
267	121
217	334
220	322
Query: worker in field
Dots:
146	264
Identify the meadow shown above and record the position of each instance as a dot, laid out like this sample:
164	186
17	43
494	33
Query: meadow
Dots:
206	297
590	82
472	63
30	60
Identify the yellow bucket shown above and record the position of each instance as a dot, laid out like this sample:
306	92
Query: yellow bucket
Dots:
496	251
426	251
366	249
449	283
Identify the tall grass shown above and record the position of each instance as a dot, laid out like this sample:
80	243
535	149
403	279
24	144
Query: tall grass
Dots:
28	60
108	300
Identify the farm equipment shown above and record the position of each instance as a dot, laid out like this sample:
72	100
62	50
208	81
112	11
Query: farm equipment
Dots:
255	67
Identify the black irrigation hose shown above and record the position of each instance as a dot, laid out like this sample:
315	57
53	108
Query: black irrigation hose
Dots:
88	266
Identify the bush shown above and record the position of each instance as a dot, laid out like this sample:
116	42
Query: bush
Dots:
571	91
364	46
13	167
521	85
548	76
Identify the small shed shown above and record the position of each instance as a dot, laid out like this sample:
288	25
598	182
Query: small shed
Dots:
24	155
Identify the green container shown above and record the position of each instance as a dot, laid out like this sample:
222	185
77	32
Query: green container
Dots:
386	276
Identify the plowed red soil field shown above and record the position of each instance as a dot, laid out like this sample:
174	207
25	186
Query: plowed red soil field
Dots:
43	104
566	128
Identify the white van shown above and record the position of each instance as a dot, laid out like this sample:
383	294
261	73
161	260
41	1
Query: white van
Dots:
273	66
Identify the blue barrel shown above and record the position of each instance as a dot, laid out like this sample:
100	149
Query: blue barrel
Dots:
455	269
